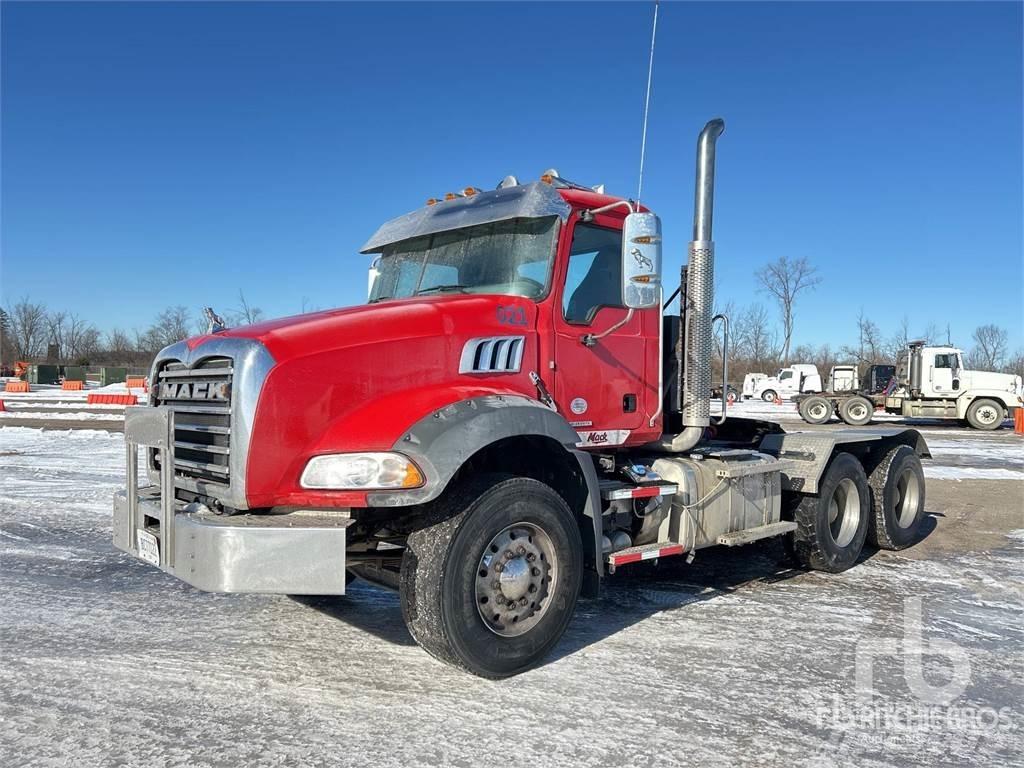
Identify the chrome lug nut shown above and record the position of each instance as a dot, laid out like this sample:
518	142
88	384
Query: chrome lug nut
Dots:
521	550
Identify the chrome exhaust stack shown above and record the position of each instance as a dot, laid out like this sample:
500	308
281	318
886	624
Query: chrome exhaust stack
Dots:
698	339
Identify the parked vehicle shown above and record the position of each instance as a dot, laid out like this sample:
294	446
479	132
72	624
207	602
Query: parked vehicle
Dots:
843	378
929	383
507	423
794	380
750	382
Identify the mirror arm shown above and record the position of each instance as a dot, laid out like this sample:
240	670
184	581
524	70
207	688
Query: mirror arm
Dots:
591	339
589	215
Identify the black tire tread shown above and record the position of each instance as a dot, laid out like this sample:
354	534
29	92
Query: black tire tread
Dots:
878	531
804	543
426	561
428	545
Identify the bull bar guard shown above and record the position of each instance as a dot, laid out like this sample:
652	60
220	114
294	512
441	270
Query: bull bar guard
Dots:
301	552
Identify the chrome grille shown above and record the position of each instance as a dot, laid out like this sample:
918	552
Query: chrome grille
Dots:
201	398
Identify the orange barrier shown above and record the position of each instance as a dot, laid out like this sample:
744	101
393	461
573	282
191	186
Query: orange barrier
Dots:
777	400
72	386
136	382
16	386
98	398
1018	420
2	407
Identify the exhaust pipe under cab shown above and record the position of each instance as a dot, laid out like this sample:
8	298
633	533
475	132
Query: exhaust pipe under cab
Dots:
699	297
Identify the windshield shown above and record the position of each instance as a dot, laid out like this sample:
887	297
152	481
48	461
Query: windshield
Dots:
508	257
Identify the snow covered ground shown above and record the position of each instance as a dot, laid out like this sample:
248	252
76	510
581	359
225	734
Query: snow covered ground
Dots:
731	660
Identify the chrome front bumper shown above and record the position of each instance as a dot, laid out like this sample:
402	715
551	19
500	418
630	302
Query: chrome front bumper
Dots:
302	553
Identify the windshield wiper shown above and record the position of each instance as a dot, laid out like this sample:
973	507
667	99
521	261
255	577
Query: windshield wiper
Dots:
441	288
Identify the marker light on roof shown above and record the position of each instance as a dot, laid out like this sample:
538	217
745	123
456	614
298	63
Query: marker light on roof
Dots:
470	191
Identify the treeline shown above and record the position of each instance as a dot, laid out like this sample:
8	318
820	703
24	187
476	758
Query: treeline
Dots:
33	332
756	346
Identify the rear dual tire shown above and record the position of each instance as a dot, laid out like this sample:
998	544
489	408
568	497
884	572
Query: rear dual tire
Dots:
833	524
885	508
897	496
856	411
816	410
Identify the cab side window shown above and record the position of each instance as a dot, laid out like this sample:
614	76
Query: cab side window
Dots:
594	277
786	375
943	361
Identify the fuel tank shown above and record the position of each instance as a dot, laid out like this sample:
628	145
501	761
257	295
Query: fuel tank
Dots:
720	491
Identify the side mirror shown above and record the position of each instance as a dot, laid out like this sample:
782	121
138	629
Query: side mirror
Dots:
641	261
371	278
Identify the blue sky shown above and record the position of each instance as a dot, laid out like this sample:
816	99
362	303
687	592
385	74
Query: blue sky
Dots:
158	154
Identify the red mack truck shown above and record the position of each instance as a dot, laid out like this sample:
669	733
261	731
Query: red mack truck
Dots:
509	420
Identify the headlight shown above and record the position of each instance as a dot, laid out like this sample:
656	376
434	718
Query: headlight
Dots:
361	472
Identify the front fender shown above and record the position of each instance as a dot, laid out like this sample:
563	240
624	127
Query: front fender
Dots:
1008	399
442	441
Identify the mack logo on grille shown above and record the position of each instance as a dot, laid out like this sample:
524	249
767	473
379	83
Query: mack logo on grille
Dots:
194	390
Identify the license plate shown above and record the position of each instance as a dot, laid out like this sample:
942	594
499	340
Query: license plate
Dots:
148	546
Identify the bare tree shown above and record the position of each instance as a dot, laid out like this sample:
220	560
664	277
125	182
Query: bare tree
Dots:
245	313
7	352
119	347
28	328
990	347
170	326
754	339
931	334
1015	363
869	340
898	342
785	280
75	339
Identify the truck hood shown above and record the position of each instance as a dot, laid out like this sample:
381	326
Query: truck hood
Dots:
426	316
1004	382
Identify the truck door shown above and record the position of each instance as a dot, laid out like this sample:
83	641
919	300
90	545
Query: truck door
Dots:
942	373
787	381
599	389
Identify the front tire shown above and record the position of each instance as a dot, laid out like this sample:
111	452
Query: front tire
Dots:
768	395
833	524
897	495
986	414
491	587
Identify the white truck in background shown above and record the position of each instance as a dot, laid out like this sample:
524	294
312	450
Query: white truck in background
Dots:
799	378
750	382
843	378
930	382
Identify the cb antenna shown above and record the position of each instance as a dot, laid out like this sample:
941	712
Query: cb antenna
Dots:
647	105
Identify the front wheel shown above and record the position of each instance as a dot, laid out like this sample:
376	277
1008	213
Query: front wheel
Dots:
768	395
985	414
492	586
